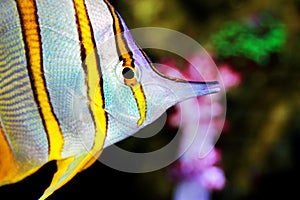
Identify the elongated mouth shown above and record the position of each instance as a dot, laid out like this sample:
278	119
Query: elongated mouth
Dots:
203	88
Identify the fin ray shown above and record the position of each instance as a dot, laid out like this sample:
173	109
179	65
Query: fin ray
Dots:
66	170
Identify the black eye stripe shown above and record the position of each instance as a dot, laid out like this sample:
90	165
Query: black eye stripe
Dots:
128	73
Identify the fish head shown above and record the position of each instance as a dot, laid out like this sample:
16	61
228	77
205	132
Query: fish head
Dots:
136	93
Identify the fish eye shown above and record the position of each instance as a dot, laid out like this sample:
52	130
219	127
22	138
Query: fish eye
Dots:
128	73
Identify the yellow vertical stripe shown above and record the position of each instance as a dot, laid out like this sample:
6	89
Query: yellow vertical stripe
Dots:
141	102
124	53
91	64
68	167
128	61
32	39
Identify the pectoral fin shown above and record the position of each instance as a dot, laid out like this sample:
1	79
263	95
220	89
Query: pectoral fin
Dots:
66	170
8	165
10	170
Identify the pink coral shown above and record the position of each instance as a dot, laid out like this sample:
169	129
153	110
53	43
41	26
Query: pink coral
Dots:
230	77
199	164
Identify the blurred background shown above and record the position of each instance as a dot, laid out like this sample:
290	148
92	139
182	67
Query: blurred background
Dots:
256	44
